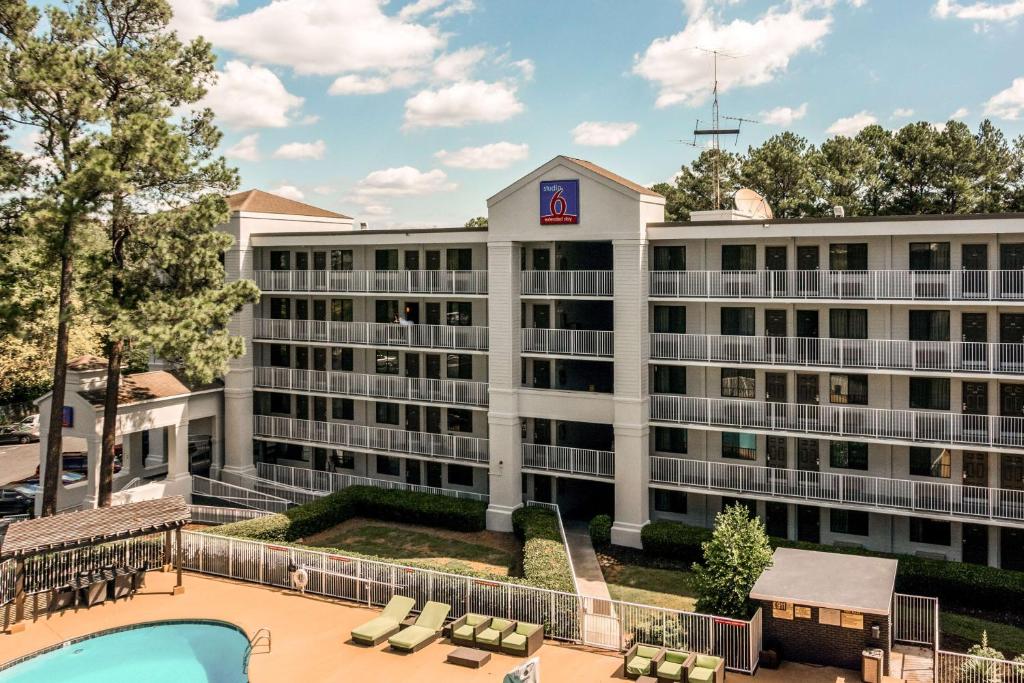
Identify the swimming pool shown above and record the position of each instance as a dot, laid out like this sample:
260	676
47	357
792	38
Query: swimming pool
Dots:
158	652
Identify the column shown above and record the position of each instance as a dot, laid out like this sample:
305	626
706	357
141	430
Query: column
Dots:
92	486
216	447
504	363
177	451
994	482
156	455
238	394
632	399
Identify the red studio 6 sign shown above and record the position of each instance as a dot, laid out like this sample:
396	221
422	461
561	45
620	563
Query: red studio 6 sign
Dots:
559	202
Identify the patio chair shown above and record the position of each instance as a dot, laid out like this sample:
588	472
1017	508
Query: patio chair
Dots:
95	593
139	578
465	628
426	630
524	640
490	637
642	660
121	586
707	668
675	666
376	631
61	598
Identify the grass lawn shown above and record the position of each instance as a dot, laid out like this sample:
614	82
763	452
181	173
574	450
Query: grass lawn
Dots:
484	551
960	631
635	579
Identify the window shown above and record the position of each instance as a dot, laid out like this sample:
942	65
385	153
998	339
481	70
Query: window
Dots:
301	357
387	413
670	440
929	325
343	460
670	501
341	360
341	259
739	257
341	310
669	258
319	309
930	531
460	366
848	256
386	311
739	445
343	409
389	466
670	319
280	356
737	383
387	362
280	260
280	309
319	260
319	358
929	393
301	309
929	255
433	425
853	522
848	455
848	323
301	260
460	313
738	321
385	259
460	420
849	389
434	366
669	379
929	462
460	475
280	403
459	259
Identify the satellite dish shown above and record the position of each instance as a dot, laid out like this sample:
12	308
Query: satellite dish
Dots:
752	204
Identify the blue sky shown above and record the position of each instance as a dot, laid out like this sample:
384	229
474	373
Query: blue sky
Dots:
420	86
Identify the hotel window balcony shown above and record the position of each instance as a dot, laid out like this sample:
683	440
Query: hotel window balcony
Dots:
870	285
470	282
467	338
578	269
568	375
568	342
583	328
894	426
583	448
878	494
567	283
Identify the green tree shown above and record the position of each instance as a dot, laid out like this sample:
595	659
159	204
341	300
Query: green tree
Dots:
780	170
734	558
477	222
694	187
844	169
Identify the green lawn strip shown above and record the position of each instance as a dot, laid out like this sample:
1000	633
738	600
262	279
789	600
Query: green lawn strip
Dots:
960	631
668	588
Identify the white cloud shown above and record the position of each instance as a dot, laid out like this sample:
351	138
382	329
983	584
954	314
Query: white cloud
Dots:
324	190
403	181
979	11
851	125
603	133
458	65
489	157
439	9
353	84
783	116
902	113
301	150
1009	103
289	192
765	47
462	103
251	97
246	149
526	68
960	113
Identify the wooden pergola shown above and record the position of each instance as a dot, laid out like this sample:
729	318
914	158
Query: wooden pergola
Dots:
28	538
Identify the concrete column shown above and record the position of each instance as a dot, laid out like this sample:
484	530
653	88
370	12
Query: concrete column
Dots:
504	375
217	445
177	451
238	394
632	399
92	486
994	539
156	455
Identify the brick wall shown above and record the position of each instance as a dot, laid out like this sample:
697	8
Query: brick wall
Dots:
807	640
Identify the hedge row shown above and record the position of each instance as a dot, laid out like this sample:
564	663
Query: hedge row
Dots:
964	586
545	559
601	531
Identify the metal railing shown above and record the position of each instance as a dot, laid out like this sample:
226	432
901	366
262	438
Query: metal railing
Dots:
446	446
467	338
954	667
913	426
328	482
375	281
566	282
449	391
861	354
568	342
298	496
955	500
569	460
561	532
931	285
213	514
238	495
915	619
263	638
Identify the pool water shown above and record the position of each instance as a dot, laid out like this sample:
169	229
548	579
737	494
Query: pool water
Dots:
174	652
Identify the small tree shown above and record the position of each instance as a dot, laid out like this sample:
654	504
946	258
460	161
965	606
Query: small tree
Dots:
734	558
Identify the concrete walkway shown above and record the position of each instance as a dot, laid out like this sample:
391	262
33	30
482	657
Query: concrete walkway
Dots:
589	578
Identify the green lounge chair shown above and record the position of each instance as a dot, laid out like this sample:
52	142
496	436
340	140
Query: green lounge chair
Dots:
465	628
376	631
523	641
675	666
642	660
707	669
426	630
490	637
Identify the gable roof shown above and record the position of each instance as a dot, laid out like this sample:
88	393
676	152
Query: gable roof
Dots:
145	386
584	168
86	362
614	177
258	201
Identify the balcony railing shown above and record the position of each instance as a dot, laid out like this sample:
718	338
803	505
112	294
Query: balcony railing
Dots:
373	334
568	342
879	285
374	281
843	421
450	391
566	282
884	354
340	435
569	460
845	489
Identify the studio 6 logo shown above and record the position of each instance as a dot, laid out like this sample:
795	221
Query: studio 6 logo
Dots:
559	202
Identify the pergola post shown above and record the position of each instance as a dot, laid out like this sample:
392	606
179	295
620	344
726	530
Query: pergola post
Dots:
19	596
167	551
178	588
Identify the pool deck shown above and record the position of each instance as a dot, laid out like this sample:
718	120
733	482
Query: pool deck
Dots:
310	639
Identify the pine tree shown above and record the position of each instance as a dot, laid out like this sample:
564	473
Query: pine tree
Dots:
780	170
734	558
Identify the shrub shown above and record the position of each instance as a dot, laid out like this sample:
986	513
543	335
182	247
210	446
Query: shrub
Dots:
601	531
545	559
272	529
674	541
734	558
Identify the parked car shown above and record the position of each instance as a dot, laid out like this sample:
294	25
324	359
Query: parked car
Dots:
78	462
14	502
15	434
30	424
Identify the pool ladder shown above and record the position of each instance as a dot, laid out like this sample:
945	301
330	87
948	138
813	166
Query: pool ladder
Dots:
260	638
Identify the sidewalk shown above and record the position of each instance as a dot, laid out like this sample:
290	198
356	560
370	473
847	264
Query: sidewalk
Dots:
589	578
